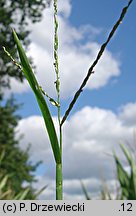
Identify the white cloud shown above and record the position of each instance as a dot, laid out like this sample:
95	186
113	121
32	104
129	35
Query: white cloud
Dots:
35	134
64	7
76	53
128	114
88	135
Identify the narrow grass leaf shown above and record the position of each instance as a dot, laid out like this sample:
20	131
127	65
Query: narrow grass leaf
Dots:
3	182
132	183
85	191
5	195
28	72
127	154
132	191
105	193
39	192
123	177
2	156
22	195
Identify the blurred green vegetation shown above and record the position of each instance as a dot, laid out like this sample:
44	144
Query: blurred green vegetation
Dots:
16	168
125	178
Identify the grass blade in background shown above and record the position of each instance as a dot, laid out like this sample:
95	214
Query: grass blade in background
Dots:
132	183
132	191
28	72
85	191
22	195
127	154
3	182
105	193
122	177
40	191
127	181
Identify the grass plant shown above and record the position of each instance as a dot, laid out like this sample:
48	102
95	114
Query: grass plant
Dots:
126	179
56	141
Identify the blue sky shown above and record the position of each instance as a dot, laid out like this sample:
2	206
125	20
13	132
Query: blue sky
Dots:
103	14
105	112
122	46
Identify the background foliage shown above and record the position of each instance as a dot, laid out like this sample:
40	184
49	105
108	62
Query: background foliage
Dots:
15	166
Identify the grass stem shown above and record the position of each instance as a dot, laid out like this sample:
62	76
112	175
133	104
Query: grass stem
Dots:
59	184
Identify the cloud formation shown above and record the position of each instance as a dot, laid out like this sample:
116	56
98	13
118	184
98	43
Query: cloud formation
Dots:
128	114
76	52
88	136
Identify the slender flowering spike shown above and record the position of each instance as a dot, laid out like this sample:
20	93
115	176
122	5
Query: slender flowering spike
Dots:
56	66
53	102
59	178
98	57
12	59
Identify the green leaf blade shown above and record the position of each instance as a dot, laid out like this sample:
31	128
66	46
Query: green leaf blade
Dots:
123	177
28	72
50	128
